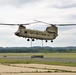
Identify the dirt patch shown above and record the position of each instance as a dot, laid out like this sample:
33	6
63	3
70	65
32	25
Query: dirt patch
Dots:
47	66
42	74
35	69
16	69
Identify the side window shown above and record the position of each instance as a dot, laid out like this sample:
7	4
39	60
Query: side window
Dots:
48	34
25	32
44	34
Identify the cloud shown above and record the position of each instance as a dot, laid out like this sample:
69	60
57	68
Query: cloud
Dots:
45	10
62	4
59	4
17	3
72	17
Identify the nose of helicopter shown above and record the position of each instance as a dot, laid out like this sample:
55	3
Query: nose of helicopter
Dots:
16	33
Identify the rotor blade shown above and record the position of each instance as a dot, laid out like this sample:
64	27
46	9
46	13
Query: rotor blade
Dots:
43	22
7	24
29	23
56	24
65	24
18	24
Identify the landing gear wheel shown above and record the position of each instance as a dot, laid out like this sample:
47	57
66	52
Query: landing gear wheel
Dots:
33	40
28	39
51	40
46	41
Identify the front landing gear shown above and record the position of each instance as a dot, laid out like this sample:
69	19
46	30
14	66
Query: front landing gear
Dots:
28	39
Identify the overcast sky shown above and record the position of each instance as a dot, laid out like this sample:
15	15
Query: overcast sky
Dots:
50	11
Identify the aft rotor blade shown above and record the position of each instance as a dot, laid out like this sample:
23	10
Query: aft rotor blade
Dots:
41	21
66	24
44	22
55	24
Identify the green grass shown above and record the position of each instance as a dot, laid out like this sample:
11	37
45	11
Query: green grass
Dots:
15	54
13	61
57	55
61	55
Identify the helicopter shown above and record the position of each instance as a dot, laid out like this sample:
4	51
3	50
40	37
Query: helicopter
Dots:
50	33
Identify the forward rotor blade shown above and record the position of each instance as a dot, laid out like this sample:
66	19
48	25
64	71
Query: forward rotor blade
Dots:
7	24
29	23
18	24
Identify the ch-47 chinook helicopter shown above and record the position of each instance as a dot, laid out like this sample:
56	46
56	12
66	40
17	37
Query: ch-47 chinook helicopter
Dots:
50	33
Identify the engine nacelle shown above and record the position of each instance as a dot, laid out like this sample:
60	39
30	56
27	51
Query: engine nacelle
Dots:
52	29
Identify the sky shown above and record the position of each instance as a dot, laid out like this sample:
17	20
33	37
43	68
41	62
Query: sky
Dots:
25	11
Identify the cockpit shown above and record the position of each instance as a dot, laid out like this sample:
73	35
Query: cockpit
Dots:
20	30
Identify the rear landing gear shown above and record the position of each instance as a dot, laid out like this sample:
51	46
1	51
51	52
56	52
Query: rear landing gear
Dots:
51	40
46	41
33	39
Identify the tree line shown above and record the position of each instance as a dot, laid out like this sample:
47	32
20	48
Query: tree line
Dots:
38	50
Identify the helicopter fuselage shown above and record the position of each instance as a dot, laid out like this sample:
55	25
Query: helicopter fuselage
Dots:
49	34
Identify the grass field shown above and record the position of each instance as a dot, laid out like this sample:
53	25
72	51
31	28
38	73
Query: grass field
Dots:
57	55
